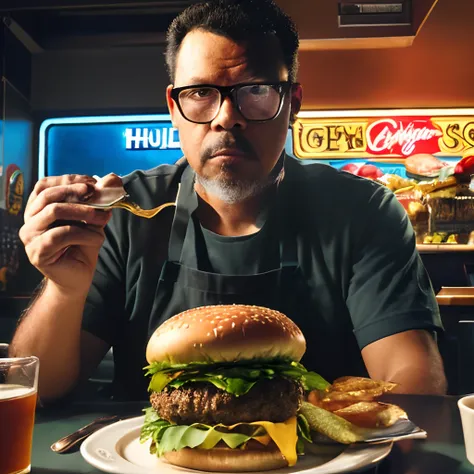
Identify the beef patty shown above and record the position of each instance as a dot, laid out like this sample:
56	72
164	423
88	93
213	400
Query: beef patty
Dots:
273	400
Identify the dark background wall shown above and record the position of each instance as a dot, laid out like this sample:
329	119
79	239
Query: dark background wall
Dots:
107	79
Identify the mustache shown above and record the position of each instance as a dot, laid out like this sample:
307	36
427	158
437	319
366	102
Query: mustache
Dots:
227	141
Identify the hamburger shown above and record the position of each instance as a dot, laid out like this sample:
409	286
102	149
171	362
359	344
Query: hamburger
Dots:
423	165
226	385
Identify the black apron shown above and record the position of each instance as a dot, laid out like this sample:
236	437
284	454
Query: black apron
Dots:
182	286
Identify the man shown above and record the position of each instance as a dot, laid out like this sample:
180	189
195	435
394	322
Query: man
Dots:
334	252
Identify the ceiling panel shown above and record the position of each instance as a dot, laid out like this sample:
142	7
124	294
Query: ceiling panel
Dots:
17	5
86	24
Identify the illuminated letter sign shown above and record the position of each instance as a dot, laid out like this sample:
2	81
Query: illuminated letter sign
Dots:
154	138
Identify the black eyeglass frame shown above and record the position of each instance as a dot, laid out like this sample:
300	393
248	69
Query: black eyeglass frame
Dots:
231	91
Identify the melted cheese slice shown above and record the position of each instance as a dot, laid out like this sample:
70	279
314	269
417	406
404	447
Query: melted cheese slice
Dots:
283	434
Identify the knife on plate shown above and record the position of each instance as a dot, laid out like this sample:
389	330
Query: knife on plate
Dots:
68	442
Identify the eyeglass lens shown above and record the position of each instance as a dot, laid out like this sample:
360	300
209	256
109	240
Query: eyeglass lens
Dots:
255	102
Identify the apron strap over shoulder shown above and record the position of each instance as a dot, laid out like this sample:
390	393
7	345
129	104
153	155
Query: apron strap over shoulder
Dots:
286	224
186	204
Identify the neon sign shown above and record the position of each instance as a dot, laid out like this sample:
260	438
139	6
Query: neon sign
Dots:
388	134
149	138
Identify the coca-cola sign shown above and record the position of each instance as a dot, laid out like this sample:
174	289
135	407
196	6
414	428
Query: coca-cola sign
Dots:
383	136
403	136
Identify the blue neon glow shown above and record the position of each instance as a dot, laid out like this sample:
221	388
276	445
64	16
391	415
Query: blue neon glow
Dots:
98	145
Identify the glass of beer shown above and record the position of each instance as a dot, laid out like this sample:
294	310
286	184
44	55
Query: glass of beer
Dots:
18	388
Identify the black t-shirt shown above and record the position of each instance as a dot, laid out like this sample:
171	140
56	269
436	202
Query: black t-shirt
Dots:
240	255
356	249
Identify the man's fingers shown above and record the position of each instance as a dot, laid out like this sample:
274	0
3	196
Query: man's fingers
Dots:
49	217
46	248
64	193
52	181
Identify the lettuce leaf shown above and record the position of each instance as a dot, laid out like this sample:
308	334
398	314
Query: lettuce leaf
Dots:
235	378
304	433
168	437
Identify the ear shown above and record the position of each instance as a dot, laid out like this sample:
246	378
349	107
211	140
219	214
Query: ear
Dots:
296	100
173	109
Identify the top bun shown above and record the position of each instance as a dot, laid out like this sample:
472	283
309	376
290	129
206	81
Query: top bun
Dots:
226	333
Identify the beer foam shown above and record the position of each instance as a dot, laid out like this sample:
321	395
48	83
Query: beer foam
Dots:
8	391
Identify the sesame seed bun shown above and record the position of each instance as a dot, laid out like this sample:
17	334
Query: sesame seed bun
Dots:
226	333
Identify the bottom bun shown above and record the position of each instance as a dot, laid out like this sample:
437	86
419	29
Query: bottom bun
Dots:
227	460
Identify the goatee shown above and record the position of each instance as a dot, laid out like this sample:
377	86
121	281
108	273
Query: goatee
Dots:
232	190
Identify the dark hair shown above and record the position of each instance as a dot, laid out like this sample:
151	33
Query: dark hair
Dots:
238	20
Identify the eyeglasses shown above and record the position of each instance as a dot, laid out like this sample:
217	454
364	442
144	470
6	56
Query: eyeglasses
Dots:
255	102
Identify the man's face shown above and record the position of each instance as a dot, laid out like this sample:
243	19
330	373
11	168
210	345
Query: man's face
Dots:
231	153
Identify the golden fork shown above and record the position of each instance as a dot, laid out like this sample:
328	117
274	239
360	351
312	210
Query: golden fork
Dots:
125	202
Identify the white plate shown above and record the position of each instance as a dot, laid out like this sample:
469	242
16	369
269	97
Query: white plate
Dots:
117	449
